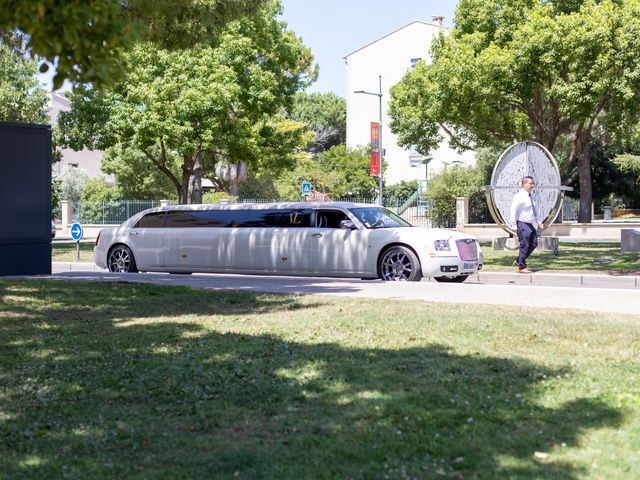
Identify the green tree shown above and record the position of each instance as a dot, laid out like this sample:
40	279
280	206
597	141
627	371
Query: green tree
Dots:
56	186
189	111
339	171
101	201
218	197
518	69
136	177
629	164
448	184
72	183
85	39
402	190
97	190
325	114
22	99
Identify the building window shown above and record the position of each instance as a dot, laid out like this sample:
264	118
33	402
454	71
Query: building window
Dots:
414	61
74	165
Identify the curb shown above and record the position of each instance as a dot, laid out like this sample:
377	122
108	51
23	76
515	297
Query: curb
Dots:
558	279
78	266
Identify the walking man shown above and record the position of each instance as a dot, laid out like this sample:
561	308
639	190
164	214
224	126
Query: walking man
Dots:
525	221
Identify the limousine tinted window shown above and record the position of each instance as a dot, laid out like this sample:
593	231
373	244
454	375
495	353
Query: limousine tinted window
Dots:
330	218
151	220
296	218
197	218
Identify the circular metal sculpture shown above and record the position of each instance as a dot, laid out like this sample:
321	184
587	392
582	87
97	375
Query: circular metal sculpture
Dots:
521	160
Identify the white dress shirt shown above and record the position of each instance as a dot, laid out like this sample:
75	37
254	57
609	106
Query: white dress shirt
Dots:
524	208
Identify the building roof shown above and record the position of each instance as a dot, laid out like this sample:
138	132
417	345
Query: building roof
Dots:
395	31
57	103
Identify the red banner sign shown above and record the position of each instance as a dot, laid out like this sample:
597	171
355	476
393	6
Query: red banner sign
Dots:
374	156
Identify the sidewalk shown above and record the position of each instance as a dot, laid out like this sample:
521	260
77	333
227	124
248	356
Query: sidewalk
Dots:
542	278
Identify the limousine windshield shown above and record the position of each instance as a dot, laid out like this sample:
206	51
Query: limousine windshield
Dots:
377	217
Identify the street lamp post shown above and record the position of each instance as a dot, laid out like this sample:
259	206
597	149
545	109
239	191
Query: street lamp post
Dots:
379	95
453	162
426	161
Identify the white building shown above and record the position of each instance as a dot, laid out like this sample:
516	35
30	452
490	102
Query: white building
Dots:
88	160
389	58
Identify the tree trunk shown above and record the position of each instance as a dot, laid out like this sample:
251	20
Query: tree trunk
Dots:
583	157
184	186
195	182
183	191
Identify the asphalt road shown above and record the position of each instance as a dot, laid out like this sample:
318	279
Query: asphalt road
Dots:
599	293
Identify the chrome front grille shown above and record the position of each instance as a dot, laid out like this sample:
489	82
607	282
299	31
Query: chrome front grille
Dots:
467	249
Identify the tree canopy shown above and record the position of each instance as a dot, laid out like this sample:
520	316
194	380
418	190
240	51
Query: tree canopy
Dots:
86	39
188	111
325	114
137	177
338	171
514	70
21	97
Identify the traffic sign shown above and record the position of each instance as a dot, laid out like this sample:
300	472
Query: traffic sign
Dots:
76	231
306	188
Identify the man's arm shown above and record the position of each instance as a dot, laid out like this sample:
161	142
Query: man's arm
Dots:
538	219
513	212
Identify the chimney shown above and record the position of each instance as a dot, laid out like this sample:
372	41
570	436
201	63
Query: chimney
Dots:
437	20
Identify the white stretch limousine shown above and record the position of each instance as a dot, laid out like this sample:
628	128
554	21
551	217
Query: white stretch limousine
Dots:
336	239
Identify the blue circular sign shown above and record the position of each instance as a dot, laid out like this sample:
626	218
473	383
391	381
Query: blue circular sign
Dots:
76	231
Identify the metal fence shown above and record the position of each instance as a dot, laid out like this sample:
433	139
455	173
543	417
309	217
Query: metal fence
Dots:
109	212
479	211
417	210
570	209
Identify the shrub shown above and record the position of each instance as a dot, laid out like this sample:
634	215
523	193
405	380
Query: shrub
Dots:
218	197
444	187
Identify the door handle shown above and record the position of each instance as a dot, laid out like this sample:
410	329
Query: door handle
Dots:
133	232
316	235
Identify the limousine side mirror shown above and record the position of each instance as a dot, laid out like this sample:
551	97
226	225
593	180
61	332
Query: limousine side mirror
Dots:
347	224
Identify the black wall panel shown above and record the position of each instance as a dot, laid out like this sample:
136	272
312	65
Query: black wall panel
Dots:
25	197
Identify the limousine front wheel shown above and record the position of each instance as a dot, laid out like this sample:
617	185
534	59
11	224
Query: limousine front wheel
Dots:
399	264
121	260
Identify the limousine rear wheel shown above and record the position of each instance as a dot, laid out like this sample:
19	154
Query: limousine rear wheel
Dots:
399	264
121	260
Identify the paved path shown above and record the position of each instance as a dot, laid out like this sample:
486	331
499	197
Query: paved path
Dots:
599	293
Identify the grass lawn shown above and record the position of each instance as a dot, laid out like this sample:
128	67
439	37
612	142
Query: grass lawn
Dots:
66	252
572	257
140	381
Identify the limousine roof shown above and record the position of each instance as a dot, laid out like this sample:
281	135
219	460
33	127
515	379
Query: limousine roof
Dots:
259	206
246	206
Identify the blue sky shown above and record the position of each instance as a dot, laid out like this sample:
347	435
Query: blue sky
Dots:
334	28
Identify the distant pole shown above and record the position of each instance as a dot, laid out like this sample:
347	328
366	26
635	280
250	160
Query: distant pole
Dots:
380	149
380	137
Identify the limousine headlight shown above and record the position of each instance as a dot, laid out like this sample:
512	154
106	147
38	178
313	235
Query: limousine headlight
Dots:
441	245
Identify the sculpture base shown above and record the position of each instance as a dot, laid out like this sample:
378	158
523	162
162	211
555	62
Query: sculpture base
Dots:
630	240
511	243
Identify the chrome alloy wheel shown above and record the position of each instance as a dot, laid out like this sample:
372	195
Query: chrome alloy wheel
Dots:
400	264
121	260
